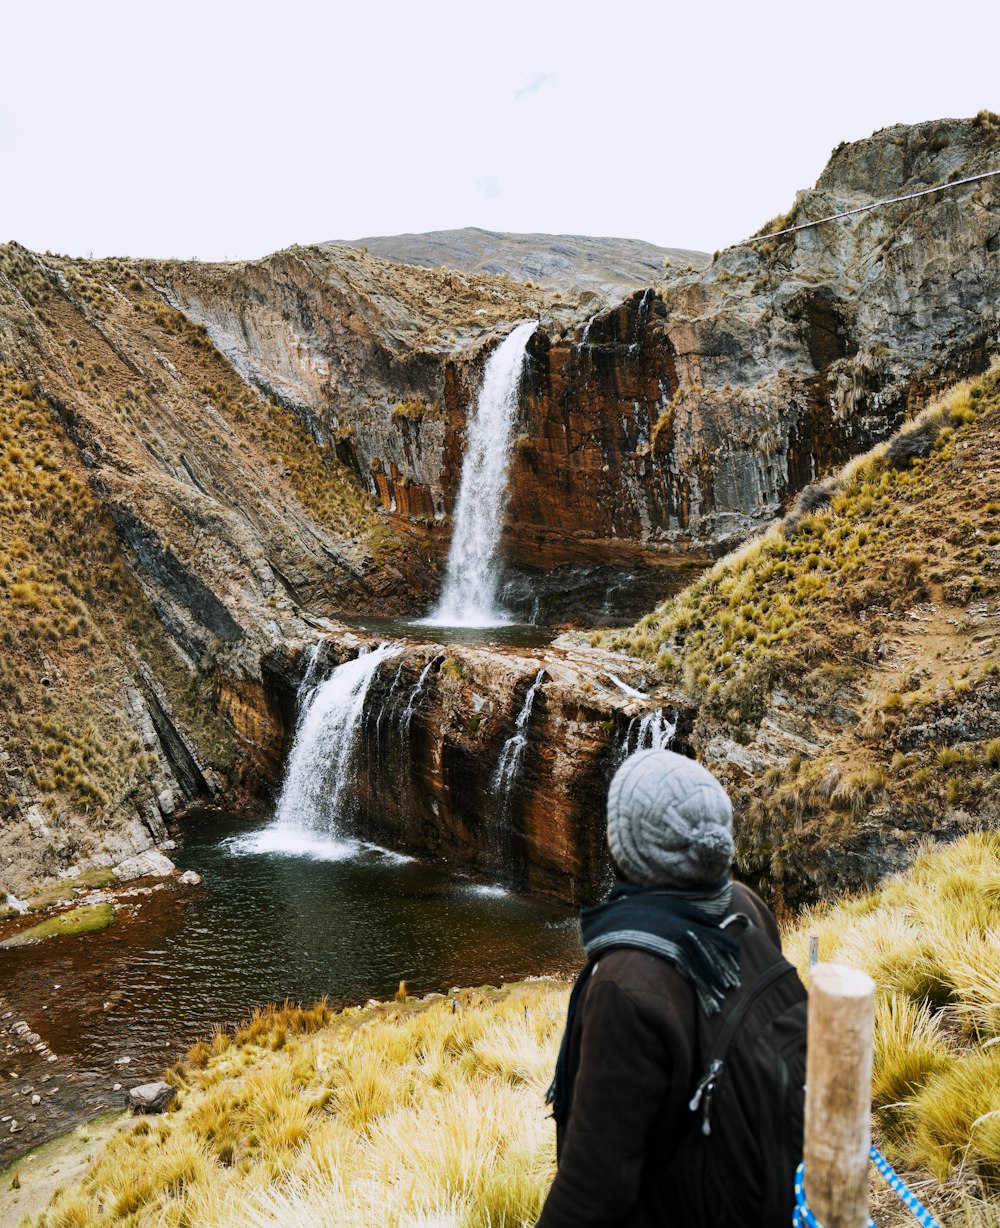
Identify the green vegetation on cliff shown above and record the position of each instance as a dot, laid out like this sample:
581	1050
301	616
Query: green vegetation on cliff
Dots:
417	1112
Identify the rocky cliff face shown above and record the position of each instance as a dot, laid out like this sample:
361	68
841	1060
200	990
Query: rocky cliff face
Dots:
241	453
663	428
494	759
380	361
687	417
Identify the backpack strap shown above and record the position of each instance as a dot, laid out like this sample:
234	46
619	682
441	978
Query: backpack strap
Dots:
706	1087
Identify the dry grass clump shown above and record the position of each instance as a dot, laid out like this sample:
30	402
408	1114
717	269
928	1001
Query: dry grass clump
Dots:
409	1113
931	941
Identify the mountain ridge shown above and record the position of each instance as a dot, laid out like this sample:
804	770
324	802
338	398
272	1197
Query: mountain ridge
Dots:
578	265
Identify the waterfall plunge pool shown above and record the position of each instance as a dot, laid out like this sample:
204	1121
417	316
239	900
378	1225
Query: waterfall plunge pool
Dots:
339	919
507	635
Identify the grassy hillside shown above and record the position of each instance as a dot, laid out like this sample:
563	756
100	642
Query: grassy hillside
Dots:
846	665
417	1113
74	623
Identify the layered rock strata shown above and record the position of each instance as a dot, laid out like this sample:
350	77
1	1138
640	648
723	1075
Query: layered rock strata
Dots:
436	771
681	419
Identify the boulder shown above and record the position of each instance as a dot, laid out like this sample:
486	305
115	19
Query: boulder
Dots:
190	878
144	864
151	1097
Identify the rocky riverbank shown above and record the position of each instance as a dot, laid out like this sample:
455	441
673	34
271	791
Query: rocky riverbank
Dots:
45	1087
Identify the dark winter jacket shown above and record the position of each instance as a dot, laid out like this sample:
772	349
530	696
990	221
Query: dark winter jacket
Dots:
631	1071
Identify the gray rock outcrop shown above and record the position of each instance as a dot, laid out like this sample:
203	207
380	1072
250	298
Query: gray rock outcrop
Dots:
151	1097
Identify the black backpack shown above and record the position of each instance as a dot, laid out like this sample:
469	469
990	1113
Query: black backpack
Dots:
735	1165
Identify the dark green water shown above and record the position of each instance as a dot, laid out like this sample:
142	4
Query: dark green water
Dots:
508	635
332	919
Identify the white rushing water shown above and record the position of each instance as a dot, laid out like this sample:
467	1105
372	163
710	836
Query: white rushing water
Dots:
315	796
653	730
513	751
411	703
624	687
469	597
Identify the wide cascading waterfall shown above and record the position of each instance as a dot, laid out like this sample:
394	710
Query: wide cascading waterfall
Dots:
469	597
314	805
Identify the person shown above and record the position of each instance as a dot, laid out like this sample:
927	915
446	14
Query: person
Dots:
671	956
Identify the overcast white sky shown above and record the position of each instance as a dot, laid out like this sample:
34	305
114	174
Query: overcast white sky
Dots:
223	129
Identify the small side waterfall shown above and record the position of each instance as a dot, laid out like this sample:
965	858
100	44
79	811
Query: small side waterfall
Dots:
513	750
315	798
501	828
652	730
469	597
411	703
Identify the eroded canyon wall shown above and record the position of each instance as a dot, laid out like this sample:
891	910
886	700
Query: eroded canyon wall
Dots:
492	759
239	453
674	423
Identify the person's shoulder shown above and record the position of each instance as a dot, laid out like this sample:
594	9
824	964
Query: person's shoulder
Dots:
746	900
744	897
640	973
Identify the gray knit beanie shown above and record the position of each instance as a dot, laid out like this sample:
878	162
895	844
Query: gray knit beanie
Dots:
669	821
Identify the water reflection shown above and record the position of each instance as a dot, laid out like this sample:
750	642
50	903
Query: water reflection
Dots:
509	635
336	918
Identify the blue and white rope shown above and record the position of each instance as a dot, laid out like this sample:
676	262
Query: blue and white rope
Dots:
902	1191
802	1216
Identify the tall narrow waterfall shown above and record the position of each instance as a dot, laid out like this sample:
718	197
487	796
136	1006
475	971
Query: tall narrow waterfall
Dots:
315	797
469	597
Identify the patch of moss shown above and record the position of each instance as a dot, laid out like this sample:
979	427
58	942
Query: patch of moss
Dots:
99	876
87	919
453	667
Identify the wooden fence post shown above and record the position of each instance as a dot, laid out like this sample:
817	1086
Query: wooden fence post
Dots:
839	1095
